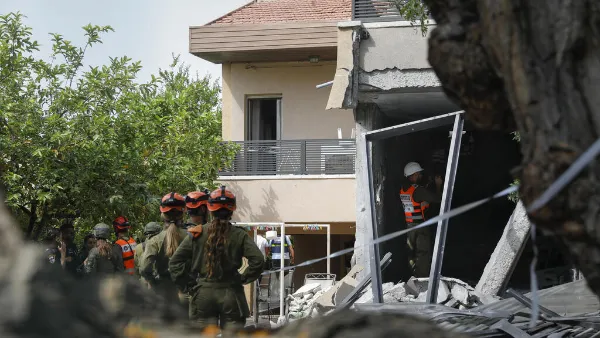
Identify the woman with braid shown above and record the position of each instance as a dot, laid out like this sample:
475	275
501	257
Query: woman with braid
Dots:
214	254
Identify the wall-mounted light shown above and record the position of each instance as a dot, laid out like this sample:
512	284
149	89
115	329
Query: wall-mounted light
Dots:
313	59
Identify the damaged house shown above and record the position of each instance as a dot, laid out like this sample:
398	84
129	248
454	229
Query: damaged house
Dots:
383	75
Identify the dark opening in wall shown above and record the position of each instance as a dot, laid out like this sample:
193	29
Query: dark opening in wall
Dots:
483	169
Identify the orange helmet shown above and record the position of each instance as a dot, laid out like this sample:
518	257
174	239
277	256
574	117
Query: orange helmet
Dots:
221	198
121	223
195	199
172	201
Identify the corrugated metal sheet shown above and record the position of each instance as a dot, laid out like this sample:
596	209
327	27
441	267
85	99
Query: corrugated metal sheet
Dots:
566	299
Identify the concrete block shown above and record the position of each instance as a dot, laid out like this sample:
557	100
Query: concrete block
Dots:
306	289
344	288
507	251
460	293
367	297
397	292
326	299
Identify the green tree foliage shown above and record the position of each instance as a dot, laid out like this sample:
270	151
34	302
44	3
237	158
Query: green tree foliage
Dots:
414	11
92	143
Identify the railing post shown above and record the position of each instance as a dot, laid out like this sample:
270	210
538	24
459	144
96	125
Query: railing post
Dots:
303	157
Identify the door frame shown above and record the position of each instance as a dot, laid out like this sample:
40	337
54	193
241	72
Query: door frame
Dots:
279	115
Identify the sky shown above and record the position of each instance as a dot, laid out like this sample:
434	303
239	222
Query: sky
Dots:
149	31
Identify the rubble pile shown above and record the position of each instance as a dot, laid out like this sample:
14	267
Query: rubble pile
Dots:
301	302
452	292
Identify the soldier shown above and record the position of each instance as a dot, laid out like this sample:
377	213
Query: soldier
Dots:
104	258
160	248
150	230
215	251
195	203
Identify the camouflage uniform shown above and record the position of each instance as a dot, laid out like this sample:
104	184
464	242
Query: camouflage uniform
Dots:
97	264
214	300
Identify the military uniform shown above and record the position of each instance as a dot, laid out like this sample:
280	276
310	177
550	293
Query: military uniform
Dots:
214	300
97	264
137	258
155	266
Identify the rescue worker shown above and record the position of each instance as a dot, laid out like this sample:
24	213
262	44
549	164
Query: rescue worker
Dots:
150	230
195	203
277	253
416	200
214	254
160	248
125	243
104	258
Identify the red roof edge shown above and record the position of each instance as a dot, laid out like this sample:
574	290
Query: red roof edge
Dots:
231	12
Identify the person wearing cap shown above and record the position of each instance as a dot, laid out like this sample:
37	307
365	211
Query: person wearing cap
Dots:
195	203
150	230
125	243
160	248
416	200
104	258
213	254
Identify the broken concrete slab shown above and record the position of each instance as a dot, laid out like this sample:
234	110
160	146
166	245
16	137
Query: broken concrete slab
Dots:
306	289
327	300
344	289
367	297
501	264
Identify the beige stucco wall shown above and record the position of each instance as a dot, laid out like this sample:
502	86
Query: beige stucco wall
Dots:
303	106
316	199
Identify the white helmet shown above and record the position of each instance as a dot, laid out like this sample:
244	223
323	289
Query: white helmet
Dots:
411	168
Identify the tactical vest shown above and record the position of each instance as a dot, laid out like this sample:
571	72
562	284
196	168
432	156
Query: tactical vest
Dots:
128	250
414	212
276	246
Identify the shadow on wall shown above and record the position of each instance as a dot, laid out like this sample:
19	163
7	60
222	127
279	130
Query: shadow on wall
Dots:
246	212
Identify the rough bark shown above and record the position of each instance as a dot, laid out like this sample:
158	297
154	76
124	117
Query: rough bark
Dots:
536	63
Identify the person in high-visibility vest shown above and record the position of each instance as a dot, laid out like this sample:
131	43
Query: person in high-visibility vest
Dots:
416	200
126	243
277	253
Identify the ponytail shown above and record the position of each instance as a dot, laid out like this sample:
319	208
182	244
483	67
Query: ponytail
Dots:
172	239
104	248
172	236
215	247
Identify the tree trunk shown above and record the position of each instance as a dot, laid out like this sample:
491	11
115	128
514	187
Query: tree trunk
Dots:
32	219
536	63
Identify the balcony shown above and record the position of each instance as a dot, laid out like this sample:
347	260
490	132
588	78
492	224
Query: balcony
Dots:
376	10
293	157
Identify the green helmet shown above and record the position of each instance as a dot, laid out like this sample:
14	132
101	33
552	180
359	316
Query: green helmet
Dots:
102	231
152	228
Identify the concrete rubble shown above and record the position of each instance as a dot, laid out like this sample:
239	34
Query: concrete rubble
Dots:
452	292
301	302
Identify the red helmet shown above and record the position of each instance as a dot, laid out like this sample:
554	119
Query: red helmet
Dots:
221	198
195	199
172	201
121	223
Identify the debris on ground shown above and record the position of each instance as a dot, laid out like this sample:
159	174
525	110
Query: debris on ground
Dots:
452	293
300	303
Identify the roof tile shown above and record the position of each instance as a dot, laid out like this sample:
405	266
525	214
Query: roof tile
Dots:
279	11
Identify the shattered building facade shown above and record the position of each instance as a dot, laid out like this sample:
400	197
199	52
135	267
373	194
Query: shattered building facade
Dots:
383	75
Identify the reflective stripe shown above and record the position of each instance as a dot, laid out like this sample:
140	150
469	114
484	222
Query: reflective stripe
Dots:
128	252
413	211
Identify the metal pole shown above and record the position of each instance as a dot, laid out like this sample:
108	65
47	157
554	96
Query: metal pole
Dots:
442	228
374	249
282	273
328	250
256	286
